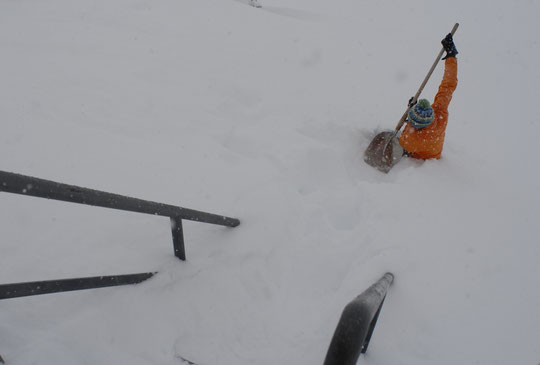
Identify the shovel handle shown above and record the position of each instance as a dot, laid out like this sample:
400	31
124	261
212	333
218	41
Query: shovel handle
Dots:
415	98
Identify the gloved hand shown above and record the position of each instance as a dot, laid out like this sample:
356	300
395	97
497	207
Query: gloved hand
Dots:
449	46
411	102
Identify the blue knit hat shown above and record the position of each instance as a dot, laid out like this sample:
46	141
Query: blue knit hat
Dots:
421	114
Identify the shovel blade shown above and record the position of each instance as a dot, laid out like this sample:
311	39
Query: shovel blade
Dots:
384	151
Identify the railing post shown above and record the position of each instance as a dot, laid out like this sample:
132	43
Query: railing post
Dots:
372	328
178	238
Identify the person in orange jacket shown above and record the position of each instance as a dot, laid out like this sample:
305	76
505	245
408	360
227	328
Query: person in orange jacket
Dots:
423	136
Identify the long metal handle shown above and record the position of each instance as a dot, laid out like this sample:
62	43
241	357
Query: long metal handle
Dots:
415	98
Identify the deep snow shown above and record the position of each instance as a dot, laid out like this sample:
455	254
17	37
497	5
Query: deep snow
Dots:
264	114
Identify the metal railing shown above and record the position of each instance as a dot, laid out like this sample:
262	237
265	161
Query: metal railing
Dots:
356	325
32	186
16	290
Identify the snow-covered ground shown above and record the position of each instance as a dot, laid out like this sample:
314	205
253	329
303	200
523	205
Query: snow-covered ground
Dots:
264	114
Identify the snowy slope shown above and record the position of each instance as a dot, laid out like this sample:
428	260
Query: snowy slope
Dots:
264	114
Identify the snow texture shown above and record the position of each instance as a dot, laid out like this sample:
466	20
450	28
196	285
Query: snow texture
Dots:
264	114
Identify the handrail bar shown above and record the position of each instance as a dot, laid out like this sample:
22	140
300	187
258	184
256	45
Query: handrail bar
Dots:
32	186
17	290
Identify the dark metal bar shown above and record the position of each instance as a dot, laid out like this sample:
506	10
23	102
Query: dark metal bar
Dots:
55	286
178	238
357	323
32	186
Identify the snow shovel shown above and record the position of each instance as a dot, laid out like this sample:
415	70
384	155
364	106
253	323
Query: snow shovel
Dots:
384	151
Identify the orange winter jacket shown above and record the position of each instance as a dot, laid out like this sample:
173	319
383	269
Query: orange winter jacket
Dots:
428	142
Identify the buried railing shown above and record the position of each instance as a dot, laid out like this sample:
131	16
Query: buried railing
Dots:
357	323
31	186
16	290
